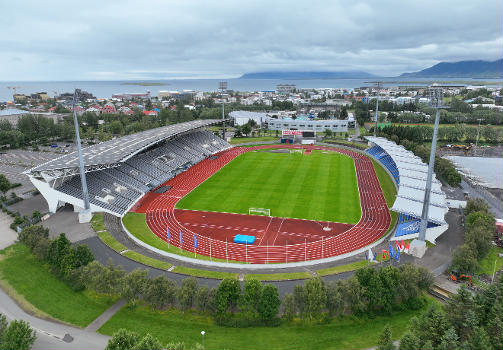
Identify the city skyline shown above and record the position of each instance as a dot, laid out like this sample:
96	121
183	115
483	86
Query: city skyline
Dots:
196	39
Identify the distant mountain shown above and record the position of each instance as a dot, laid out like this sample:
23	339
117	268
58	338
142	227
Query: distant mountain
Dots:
461	69
308	75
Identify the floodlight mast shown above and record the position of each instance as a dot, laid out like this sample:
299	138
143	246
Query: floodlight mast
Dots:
222	86
378	86
85	214
435	95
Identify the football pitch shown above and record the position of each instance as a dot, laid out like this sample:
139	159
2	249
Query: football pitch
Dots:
319	186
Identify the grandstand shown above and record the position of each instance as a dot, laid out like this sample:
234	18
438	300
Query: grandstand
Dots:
119	172
409	173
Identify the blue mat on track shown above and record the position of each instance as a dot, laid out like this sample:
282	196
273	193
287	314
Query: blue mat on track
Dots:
244	239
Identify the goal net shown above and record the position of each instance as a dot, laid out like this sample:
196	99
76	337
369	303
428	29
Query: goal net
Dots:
259	211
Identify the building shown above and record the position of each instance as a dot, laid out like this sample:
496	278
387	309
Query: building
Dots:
130	96
243	117
285	88
308	125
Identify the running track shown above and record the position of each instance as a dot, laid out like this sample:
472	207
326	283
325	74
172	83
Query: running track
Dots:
160	213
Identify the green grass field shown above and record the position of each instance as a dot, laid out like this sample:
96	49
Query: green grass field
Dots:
319	186
32	282
344	333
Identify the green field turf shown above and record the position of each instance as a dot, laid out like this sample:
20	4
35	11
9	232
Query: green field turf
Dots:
318	186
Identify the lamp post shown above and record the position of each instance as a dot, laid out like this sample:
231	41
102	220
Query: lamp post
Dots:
478	134
202	334
222	86
418	246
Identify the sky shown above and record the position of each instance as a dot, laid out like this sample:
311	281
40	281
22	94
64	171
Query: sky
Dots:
166	39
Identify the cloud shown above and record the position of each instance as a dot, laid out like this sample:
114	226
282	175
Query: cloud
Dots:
197	38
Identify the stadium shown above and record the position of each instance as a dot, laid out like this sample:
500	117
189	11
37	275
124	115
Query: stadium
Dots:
277	203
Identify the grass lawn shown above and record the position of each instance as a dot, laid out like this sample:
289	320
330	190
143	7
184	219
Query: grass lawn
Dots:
137	226
486	265
237	140
45	292
344	333
342	268
146	260
318	186
387	184
277	276
204	273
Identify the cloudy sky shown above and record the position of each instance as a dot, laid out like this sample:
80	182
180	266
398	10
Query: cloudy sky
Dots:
163	39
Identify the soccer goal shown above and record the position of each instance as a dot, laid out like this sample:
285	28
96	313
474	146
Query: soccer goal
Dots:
259	211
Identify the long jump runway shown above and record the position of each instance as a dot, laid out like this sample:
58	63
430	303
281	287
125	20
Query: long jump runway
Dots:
277	239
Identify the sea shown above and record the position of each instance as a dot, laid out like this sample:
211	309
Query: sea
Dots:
105	89
486	171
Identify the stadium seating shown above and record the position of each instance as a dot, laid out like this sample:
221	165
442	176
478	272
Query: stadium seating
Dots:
407	225
385	160
118	188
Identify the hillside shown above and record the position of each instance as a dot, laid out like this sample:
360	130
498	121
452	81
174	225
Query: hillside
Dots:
462	69
307	75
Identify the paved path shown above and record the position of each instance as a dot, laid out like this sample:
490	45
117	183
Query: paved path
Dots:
52	335
105	316
7	235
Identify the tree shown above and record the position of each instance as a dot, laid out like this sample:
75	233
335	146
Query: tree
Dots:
334	299
289	309
385	342
479	339
476	204
464	259
187	293
18	336
148	342
202	299
134	285
3	326
250	299
123	340
430	326
246	129
328	133
299	297
315	296
269	303
161	291
5	184
409	341
228	293
449	340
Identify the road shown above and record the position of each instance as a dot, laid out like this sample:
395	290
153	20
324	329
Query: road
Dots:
495	205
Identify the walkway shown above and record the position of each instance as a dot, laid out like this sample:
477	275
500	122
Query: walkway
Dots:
53	335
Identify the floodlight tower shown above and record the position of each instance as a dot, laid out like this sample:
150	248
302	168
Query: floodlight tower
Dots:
85	214
378	85
418	246
222	86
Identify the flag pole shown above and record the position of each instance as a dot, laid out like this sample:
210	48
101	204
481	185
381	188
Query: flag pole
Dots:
305	249
226	254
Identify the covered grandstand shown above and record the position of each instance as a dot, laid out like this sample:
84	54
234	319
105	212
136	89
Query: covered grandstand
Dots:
409	173
120	171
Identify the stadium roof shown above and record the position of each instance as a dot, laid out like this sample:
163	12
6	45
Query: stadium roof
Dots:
437	199
122	148
419	184
415	208
413	173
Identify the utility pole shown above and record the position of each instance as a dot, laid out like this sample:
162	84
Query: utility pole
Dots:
418	246
222	86
85	214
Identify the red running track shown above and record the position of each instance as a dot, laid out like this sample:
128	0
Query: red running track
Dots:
280	240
